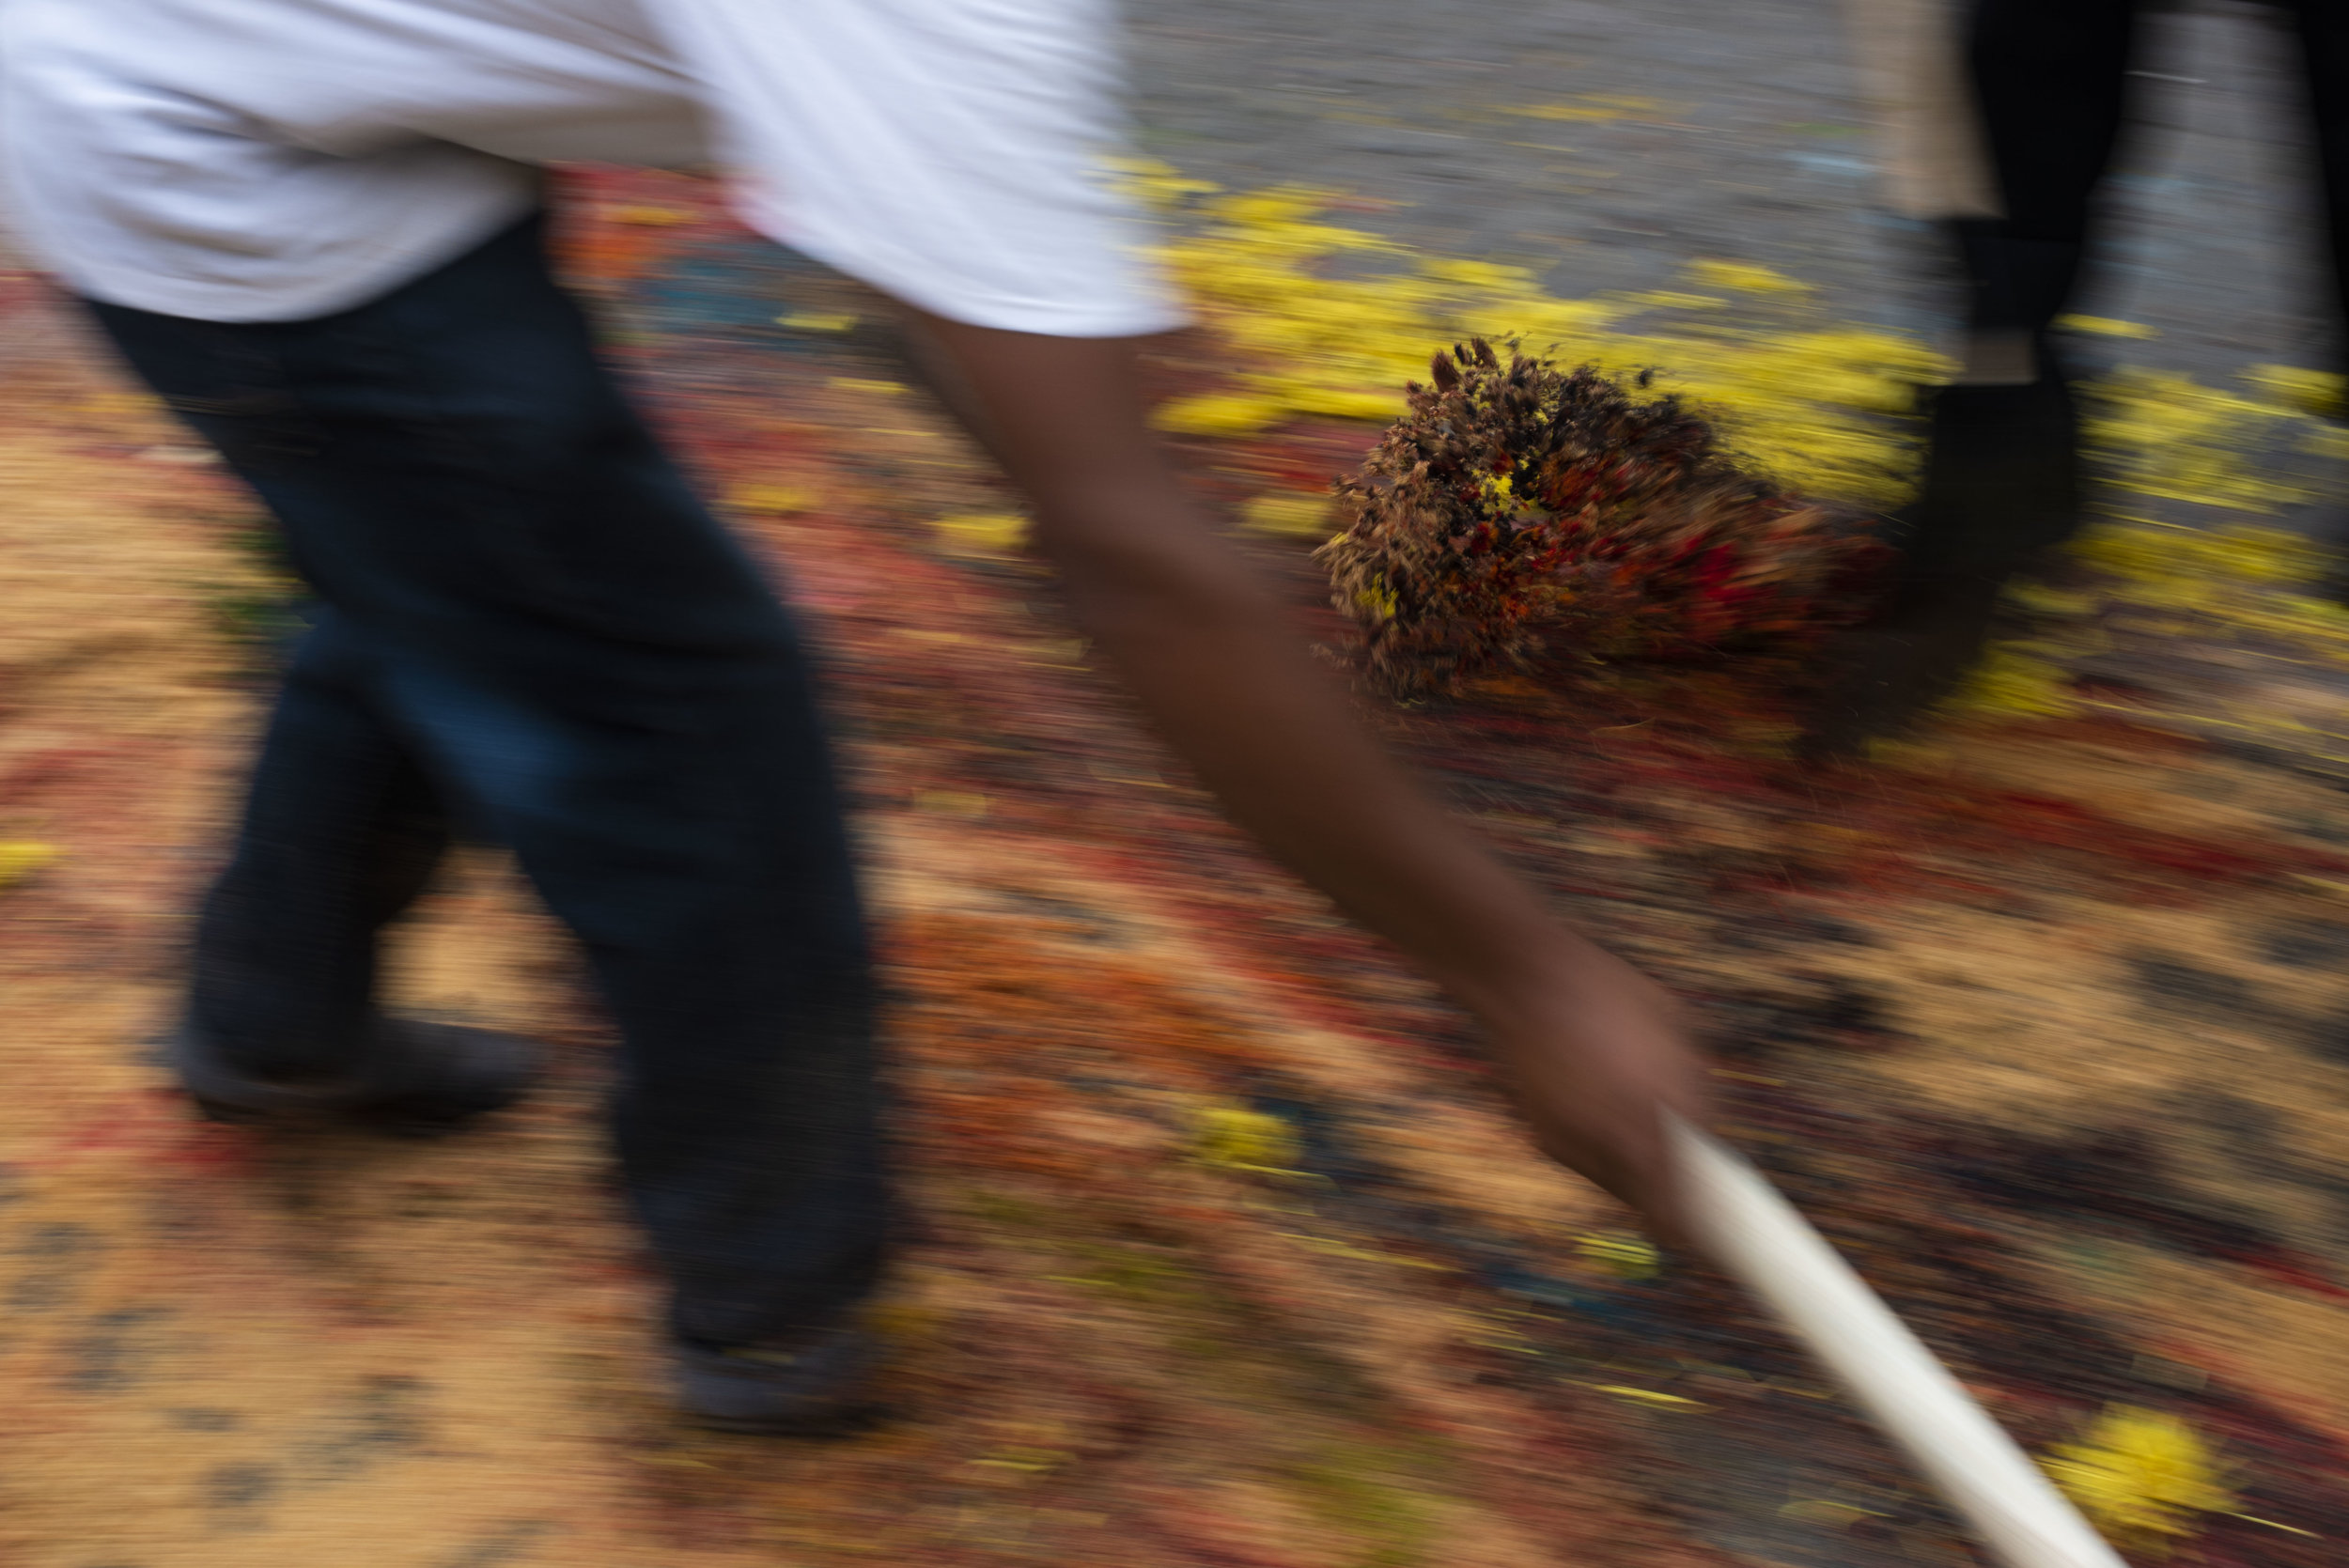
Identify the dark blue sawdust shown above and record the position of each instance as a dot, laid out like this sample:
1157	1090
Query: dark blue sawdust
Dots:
716	309
111	1355
2308	944
239	1496
507	1543
55	1257
731	290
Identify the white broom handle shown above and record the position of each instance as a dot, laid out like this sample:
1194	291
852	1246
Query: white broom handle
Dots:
1755	1234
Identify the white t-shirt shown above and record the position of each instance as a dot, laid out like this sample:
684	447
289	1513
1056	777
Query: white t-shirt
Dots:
279	159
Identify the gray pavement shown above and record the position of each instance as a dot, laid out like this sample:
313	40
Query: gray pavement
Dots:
1752	145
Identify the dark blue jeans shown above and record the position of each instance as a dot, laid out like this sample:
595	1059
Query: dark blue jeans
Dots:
532	631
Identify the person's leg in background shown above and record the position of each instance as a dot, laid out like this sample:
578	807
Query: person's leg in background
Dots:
2322	26
2001	483
2001	467
533	620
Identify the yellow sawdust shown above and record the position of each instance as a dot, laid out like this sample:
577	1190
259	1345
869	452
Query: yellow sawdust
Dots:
1317	338
2139	1473
1330	321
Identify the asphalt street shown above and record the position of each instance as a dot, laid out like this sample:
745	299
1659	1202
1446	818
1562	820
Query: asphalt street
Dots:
1606	143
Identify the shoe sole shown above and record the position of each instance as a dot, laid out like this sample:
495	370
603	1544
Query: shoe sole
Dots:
856	1421
503	1069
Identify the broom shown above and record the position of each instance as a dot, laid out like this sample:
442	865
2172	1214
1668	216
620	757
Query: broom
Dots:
1756	1235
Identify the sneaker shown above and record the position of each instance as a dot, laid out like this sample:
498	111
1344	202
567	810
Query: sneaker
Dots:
416	1079
813	1385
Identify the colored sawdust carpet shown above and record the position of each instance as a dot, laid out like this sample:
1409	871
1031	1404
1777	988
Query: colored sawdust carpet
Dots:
1224	1253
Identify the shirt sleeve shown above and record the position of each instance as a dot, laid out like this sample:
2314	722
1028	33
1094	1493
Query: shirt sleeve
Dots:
957	154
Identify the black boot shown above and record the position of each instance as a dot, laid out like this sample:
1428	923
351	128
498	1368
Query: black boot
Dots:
2001	486
2001	481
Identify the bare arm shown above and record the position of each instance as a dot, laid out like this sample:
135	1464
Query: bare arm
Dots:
1592	1049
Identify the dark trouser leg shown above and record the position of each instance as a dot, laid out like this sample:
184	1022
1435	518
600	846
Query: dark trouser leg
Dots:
2050	78
2324	26
528	600
341	832
2001	480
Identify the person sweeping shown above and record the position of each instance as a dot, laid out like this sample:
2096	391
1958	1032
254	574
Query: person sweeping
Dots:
314	227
